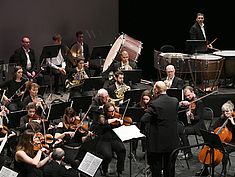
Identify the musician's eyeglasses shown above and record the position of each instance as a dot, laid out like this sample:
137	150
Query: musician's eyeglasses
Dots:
111	111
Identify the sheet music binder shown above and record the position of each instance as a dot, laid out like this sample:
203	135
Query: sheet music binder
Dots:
14	118
81	103
50	51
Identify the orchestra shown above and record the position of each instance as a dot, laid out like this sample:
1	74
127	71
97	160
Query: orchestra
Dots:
78	133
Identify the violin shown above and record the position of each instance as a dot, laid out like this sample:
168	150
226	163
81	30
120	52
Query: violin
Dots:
126	120
42	141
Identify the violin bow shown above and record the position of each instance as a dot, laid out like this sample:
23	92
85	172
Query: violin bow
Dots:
84	117
204	96
128	101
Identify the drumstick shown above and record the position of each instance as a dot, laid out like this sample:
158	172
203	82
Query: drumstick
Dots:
213	41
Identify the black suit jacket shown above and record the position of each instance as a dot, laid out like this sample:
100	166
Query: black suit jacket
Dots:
21	59
176	83
161	124
196	32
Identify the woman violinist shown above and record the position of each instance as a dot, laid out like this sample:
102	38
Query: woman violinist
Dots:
108	141
28	163
68	132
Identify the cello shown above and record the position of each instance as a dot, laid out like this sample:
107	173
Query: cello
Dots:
225	136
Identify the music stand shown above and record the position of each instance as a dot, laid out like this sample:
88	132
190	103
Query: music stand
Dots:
132	76
50	51
134	112
56	111
195	46
93	83
14	118
213	140
175	92
81	103
134	95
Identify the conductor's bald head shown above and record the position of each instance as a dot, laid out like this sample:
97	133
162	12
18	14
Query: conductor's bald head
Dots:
160	88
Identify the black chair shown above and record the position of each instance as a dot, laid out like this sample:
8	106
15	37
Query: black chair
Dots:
208	116
167	48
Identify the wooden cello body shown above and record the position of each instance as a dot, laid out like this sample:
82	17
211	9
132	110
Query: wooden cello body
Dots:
205	154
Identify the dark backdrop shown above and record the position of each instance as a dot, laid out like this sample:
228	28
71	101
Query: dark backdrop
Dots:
156	23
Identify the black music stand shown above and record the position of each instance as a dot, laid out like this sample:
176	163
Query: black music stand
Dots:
93	83
176	92
214	141
134	95
134	112
132	76
56	111
14	118
50	51
195	46
81	104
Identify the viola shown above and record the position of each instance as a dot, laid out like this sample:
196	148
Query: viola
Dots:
42	141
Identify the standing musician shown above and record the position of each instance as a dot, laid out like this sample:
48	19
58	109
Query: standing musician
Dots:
28	163
70	130
41	107
108	141
75	79
14	90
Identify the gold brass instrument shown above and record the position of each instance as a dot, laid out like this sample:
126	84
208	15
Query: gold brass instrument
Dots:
121	90
76	51
77	79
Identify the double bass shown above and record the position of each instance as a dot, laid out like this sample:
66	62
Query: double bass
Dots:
205	154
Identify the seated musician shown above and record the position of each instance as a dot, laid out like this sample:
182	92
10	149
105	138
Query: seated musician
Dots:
102	97
41	107
119	65
15	90
145	100
28	162
72	136
171	80
226	119
108	141
118	88
75	79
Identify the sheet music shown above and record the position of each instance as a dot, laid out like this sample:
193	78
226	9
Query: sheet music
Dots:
128	132
6	172
90	163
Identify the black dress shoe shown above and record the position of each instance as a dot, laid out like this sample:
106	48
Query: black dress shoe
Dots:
202	172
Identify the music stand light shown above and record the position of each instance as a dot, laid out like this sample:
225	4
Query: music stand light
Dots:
81	104
50	51
14	118
132	76
134	95
56	111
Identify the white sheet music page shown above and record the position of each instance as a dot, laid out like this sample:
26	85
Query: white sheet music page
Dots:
6	172
90	163
128	132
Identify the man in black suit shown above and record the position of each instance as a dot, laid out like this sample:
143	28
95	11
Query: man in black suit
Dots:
25	57
160	122
171	80
198	30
